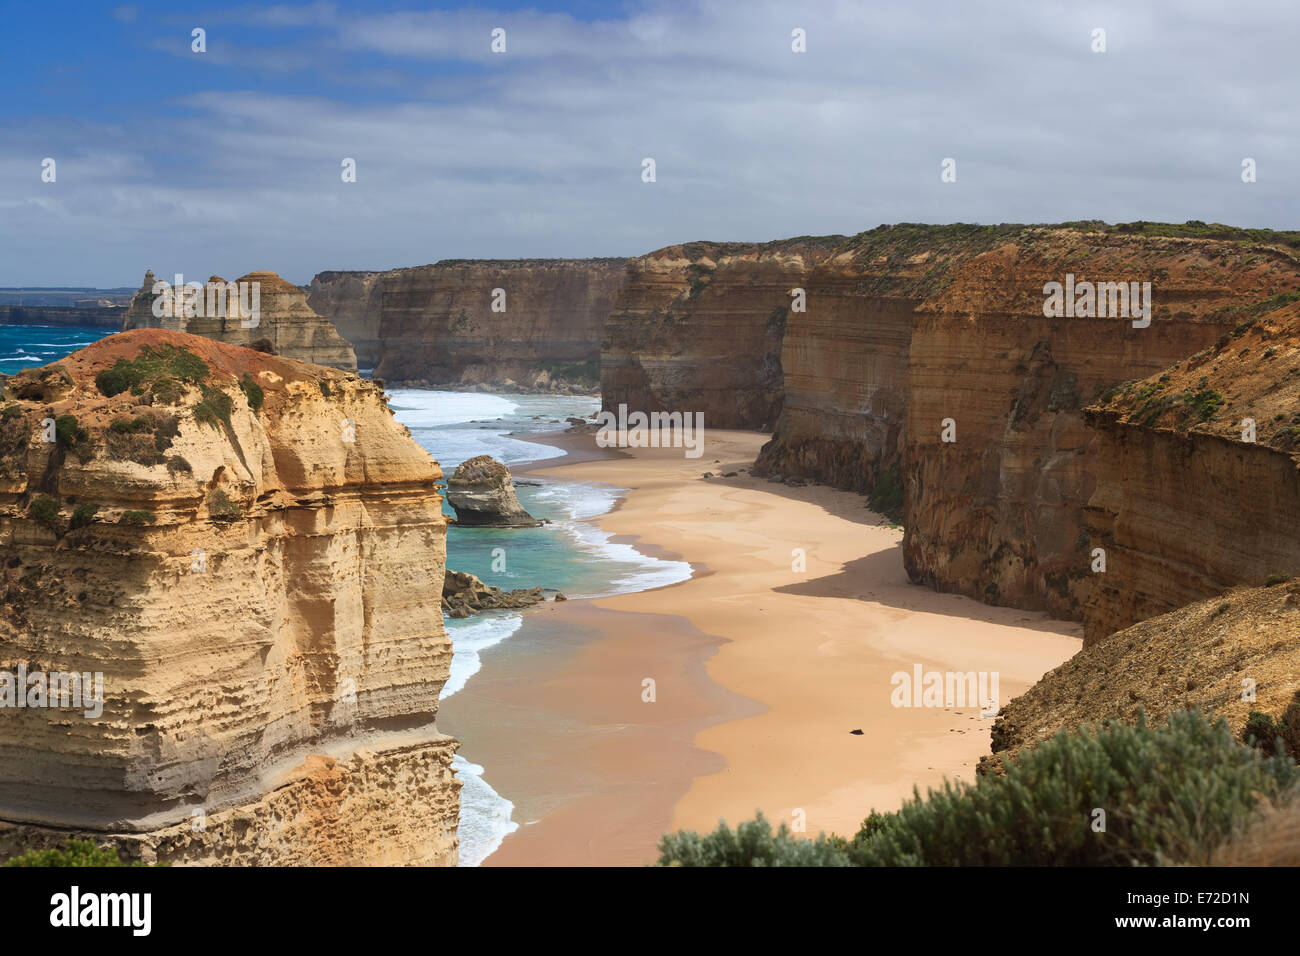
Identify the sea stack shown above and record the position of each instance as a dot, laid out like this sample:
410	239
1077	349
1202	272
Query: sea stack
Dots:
284	322
483	495
244	555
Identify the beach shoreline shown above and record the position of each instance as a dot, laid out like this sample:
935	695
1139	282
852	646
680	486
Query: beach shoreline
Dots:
763	663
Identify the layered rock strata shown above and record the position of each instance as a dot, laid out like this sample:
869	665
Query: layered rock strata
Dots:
285	323
250	550
483	495
532	324
1198	474
698	328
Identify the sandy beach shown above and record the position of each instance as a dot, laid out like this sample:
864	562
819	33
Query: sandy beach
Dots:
781	645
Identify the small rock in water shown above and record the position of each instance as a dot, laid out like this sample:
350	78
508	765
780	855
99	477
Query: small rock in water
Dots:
559	596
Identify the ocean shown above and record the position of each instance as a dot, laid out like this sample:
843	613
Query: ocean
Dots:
570	554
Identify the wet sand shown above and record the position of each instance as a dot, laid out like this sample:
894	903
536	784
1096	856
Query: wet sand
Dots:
762	668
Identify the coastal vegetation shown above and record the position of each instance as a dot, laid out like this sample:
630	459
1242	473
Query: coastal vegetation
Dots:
1121	795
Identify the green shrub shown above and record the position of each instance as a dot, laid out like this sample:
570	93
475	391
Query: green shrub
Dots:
1267	734
44	510
221	508
253	392
67	432
214	408
13	410
175	463
150	366
137	518
325	387
128	426
82	515
1273	579
74	853
886	495
1170	794
750	844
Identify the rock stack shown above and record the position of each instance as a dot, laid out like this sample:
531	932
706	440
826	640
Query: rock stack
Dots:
483	495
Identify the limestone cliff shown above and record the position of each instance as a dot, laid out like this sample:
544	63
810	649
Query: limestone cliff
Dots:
250	550
1198	473
698	328
353	301
447	324
285	325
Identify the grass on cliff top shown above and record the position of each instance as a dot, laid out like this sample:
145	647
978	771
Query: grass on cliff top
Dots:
1119	796
150	366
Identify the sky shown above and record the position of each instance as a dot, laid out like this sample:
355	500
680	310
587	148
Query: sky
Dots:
231	159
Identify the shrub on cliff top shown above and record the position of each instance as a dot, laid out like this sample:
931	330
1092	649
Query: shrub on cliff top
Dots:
1170	794
151	365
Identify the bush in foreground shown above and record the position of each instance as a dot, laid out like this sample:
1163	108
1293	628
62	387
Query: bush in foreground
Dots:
1169	795
74	853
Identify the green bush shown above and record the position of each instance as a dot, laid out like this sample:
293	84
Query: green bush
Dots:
214	408
1170	794
750	844
221	508
1267	734
253	392
150	366
128	426
137	518
45	510
67	432
886	495
74	853
176	463
82	515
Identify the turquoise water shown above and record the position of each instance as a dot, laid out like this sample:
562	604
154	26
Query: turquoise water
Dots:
31	346
571	554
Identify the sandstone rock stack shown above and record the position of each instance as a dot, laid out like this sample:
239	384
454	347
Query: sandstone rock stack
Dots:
483	495
250	550
286	322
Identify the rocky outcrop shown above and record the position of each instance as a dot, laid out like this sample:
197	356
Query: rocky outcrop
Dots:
1198	473
483	495
1195	657
464	594
698	328
353	301
285	325
447	324
250	550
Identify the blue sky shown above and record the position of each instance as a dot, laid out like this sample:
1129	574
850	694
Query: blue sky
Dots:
229	160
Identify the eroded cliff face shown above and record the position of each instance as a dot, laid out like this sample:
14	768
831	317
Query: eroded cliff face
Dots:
1198	487
698	328
286	324
250	550
437	325
353	301
997	513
